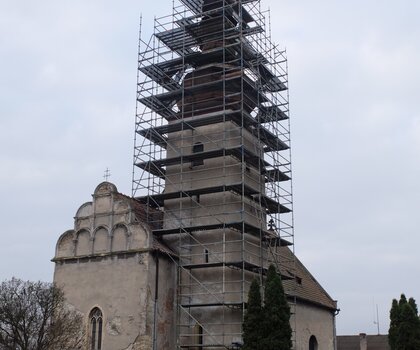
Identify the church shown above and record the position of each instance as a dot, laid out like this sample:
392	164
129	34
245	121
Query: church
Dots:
169	266
123	279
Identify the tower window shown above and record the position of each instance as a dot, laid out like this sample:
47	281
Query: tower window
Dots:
96	321
206	255
198	148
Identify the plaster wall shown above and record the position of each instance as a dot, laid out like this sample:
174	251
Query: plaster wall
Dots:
313	321
162	277
108	261
119	287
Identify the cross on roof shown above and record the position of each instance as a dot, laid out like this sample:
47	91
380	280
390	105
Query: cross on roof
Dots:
107	174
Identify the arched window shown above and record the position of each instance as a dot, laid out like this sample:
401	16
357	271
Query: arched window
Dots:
313	343
96	321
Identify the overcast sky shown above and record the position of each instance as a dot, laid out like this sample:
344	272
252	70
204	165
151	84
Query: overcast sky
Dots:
67	105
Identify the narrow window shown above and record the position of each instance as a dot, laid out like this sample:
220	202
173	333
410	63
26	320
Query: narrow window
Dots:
198	148
206	255
96	329
198	330
93	335
100	334
313	343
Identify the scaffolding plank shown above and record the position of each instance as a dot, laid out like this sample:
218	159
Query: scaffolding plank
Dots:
156	166
202	346
152	168
196	6
235	264
163	71
159	199
164	102
275	175
153	135
272	142
158	71
178	40
215	304
240	226
208	30
274	241
182	40
161	107
270	81
158	74
268	114
269	204
251	267
198	58
196	121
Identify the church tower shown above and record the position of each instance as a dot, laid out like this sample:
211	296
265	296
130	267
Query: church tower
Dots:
170	266
212	154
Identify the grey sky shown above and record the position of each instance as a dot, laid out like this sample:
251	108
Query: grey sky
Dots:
67	103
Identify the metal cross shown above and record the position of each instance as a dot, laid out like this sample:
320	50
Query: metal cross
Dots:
107	174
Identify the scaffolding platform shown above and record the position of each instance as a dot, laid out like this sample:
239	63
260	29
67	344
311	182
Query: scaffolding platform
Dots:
236	80
156	167
197	7
272	142
271	206
250	267
239	226
163	72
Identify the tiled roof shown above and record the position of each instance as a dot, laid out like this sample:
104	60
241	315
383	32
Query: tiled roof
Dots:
142	212
163	248
307	287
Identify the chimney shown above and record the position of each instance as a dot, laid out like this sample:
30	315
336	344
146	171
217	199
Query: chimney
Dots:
363	341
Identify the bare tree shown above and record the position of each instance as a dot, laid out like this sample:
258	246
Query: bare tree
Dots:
34	316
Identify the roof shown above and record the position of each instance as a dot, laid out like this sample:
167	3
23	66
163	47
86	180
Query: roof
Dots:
352	342
307	287
144	214
161	247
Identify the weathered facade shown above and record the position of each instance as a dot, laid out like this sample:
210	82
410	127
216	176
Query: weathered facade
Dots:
112	262
315	311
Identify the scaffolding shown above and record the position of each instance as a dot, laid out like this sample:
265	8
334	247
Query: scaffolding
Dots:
212	154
